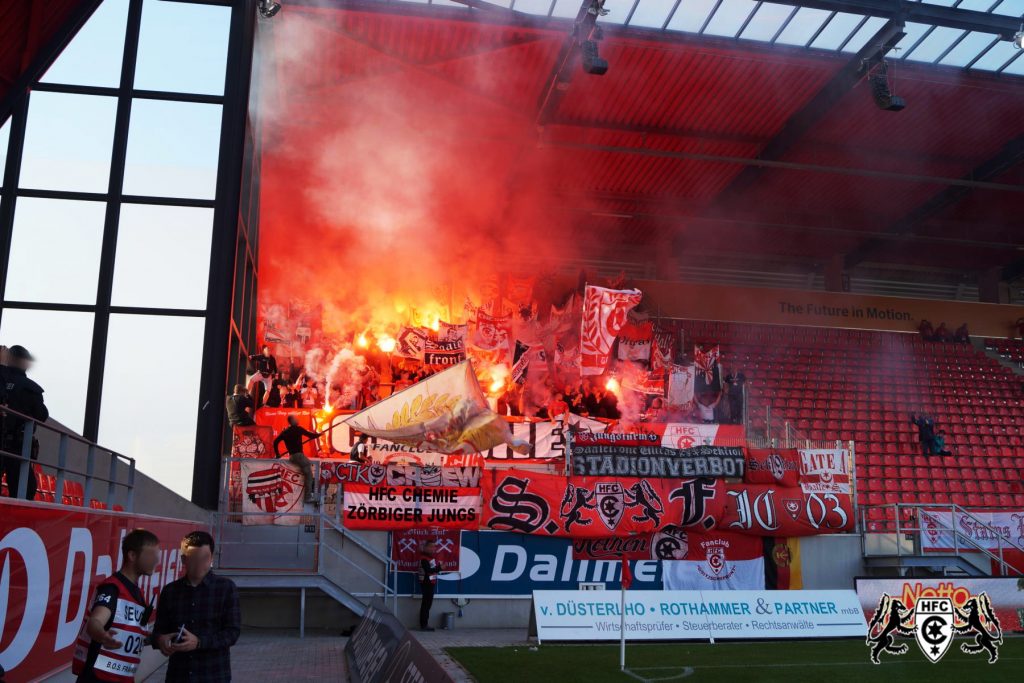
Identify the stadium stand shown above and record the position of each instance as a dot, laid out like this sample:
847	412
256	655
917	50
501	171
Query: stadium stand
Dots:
863	385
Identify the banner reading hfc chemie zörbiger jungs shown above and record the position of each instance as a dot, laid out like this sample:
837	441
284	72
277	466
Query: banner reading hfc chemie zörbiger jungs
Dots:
698	615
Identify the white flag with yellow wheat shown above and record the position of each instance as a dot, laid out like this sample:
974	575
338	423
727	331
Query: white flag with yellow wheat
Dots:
445	413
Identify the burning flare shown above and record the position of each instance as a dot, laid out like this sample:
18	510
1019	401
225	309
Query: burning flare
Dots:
386	343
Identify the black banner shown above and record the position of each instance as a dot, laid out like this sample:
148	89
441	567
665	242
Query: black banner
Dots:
657	461
381	650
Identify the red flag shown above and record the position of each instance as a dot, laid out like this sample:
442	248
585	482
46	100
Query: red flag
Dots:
604	314
627	575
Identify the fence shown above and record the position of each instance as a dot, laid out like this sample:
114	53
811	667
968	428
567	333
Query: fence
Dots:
84	473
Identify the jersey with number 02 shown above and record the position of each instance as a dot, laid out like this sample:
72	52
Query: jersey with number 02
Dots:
119	664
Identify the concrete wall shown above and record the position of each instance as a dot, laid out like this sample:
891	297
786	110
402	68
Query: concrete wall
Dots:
830	561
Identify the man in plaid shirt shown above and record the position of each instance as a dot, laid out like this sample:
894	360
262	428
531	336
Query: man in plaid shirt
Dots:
197	618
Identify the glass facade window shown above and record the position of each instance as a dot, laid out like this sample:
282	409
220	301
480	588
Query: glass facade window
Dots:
163	256
5	136
55	251
173	149
68	141
153	364
94	55
182	48
61	342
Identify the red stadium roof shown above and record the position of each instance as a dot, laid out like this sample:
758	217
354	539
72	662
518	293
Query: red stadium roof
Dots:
667	147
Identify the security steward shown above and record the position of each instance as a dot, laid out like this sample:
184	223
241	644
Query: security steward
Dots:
21	394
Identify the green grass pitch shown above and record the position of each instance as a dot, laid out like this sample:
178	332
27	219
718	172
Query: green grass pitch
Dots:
826	661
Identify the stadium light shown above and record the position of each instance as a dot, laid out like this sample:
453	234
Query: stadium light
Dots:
269	9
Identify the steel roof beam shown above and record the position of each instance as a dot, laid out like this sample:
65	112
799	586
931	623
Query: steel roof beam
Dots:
919	12
1010	155
818	106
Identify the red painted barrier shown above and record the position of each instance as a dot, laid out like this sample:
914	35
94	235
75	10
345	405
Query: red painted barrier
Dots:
51	560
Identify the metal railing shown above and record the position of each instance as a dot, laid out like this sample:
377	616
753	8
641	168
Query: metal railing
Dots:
51	446
905	521
240	533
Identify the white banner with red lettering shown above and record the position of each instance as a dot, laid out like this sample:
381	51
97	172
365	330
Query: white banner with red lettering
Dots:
604	314
825	470
972	529
272	492
635	341
51	561
716	561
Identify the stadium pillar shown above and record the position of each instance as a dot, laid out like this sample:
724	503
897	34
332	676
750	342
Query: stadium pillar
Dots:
992	289
836	277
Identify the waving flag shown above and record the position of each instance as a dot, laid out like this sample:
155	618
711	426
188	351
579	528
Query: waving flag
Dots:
604	314
445	413
706	361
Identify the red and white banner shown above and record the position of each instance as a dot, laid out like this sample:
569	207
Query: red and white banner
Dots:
662	349
635	341
544	439
410	342
686	434
277	420
825	470
51	561
982	528
406	544
386	508
706	361
604	314
680	385
252	442
491	338
596	507
343	471
272	492
716	561
773	466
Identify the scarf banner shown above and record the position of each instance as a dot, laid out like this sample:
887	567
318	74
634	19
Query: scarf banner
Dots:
662	349
990	529
386	508
680	385
657	461
635	340
706	362
645	383
521	361
825	471
270	489
410	342
717	561
335	472
446	412
491	334
604	314
594	507
406	544
773	466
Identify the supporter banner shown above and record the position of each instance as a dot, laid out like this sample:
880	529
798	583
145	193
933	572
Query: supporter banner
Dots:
706	362
773	466
491	337
595	507
639	547
406	544
504	564
604	314
521	361
687	435
410	342
680	385
447	352
384	508
697	615
662	349
1004	592
381	650
446	412
826	471
717	561
657	461
271	490
277	420
541	439
382	453
336	472
645	383
52	559
938	529
635	341
252	442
